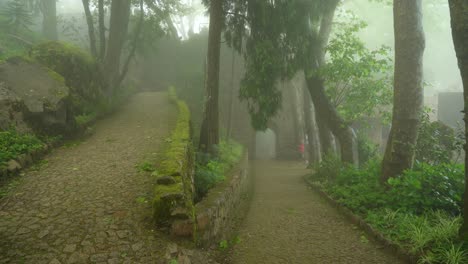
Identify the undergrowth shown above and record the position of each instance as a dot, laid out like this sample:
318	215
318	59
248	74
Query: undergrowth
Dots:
13	144
211	170
420	210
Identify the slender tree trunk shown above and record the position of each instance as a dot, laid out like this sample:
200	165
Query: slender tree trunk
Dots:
313	146
209	136
49	22
231	96
90	22
459	21
133	49
408	93
120	15
326	113
102	30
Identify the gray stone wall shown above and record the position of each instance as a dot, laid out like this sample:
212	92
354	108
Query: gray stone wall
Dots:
221	209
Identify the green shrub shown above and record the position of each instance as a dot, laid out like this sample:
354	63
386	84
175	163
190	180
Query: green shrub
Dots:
210	170
437	143
13	144
426	187
366	149
420	209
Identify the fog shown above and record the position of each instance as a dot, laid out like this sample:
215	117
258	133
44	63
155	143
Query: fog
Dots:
233	131
440	63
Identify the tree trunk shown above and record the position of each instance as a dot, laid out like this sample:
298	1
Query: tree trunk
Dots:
326	112
90	22
102	30
119	18
408	93
209	136
325	137
134	44
49	22
313	146
459	21
231	96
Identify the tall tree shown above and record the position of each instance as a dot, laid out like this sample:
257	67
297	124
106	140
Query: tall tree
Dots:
459	22
119	19
49	21
209	135
408	85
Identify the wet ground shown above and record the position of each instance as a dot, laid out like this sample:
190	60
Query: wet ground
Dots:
288	223
88	203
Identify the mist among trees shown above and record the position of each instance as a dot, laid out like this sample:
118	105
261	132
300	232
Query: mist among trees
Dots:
162	119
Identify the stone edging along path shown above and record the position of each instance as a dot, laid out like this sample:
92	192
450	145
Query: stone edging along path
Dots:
15	166
370	231
23	161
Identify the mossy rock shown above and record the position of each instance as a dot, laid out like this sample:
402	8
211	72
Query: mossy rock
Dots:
166	198
80	71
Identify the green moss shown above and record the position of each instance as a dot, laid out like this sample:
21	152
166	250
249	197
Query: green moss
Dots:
57	77
162	206
79	70
177	160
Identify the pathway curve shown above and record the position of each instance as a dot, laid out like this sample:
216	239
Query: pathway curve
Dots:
288	223
88	204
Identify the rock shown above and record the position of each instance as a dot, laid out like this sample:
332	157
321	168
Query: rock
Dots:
165	180
22	231
179	213
172	197
54	261
69	248
182	228
122	233
78	258
13	166
24	160
43	233
137	246
183	260
33	98
171	250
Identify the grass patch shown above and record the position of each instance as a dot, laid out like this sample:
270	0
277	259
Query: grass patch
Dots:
146	166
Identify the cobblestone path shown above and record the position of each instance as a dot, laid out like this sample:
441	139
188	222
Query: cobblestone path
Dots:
88	203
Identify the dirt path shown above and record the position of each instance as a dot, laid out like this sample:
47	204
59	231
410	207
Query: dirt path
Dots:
287	223
88	204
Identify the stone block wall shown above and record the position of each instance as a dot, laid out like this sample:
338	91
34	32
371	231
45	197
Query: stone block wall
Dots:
221	209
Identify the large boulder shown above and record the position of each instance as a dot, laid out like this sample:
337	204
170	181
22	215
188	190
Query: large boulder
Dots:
33	97
81	72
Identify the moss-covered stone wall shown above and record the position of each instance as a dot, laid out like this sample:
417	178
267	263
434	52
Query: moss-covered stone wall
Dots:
173	196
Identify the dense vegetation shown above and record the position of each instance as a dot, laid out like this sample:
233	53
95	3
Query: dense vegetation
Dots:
420	209
13	144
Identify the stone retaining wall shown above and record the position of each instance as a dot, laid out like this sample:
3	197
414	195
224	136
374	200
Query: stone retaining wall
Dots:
218	213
